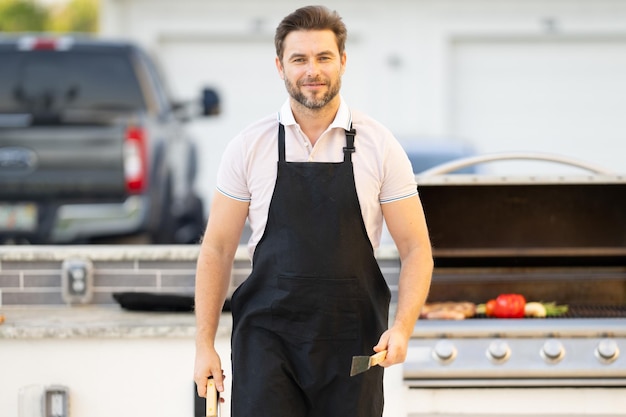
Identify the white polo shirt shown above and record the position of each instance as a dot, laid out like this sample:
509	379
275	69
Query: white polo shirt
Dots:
382	170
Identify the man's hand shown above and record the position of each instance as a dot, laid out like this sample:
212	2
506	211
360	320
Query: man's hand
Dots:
208	364
396	344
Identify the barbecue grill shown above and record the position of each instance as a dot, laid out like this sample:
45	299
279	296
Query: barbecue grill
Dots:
555	238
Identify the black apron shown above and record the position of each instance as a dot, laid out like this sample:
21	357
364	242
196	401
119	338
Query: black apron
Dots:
315	298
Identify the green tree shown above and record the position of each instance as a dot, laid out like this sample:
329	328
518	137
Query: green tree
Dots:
75	16
30	16
22	15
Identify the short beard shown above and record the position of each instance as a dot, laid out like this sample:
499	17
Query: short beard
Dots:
313	103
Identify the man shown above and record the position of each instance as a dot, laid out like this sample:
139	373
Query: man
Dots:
315	183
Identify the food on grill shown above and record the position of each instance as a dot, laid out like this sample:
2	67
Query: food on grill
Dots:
490	308
449	310
535	309
552	309
509	306
505	306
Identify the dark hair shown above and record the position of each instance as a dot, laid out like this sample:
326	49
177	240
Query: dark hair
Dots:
311	18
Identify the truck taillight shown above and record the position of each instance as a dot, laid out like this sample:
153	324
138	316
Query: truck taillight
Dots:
135	160
34	43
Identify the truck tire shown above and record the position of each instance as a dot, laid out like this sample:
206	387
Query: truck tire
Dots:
192	223
163	229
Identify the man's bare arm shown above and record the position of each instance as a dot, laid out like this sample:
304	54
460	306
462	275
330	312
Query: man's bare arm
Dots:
221	239
407	225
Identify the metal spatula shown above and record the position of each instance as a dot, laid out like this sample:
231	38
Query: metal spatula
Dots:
363	363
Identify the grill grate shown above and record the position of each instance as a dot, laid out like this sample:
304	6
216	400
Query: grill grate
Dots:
579	311
595	311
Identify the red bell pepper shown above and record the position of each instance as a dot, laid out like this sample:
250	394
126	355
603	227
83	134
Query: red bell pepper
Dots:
509	306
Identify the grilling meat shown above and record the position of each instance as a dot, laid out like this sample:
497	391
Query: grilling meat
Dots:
448	310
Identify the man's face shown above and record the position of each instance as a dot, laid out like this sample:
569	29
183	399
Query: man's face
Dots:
312	67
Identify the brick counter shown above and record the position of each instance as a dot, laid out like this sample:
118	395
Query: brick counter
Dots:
31	275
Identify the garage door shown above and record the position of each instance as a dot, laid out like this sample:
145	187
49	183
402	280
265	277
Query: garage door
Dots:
565	96
242	69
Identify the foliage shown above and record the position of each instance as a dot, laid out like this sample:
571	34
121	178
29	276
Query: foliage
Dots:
22	15
75	16
31	16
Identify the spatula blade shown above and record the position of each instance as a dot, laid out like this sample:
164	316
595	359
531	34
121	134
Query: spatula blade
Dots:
363	363
359	364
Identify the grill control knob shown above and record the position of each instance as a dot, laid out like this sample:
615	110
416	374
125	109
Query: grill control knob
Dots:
607	350
553	350
444	351
498	351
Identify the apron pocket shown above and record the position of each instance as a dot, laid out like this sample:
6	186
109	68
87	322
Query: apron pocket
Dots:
316	308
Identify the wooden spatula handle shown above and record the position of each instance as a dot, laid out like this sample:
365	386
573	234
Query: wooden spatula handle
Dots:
378	357
211	399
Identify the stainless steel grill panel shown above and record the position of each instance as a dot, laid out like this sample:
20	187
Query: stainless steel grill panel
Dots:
557	239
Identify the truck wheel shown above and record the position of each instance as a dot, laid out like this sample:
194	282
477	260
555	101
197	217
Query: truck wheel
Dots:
163	229
191	224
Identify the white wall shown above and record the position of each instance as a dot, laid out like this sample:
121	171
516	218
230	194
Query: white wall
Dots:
106	377
559	95
410	65
127	377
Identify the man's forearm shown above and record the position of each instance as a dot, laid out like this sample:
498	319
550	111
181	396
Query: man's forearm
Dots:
413	286
212	282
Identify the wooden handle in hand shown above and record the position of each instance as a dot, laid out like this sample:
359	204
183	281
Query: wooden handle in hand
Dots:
378	357
211	399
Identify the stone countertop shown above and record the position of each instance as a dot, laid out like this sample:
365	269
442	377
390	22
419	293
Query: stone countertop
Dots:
102	252
132	252
99	322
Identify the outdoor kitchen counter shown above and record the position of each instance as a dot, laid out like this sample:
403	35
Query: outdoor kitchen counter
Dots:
99	322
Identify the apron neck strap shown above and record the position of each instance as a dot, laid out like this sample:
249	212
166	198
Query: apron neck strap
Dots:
281	142
348	150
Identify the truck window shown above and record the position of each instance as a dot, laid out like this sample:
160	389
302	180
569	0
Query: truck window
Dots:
37	82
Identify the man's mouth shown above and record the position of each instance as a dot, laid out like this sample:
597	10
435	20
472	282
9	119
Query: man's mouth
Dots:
313	84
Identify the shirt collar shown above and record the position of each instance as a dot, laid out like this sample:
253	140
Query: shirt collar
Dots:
343	119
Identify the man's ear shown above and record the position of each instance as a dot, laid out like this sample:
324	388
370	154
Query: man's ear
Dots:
344	58
279	67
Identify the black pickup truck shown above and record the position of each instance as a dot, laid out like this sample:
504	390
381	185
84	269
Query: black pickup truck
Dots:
92	148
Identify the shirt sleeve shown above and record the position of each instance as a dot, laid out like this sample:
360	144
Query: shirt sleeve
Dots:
231	175
398	177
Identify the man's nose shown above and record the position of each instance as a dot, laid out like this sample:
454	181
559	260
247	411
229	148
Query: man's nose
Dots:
312	68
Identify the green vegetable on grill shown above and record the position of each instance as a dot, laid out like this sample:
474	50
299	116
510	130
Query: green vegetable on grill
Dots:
552	309
537	309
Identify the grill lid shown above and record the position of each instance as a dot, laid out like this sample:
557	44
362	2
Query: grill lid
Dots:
564	215
500	215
